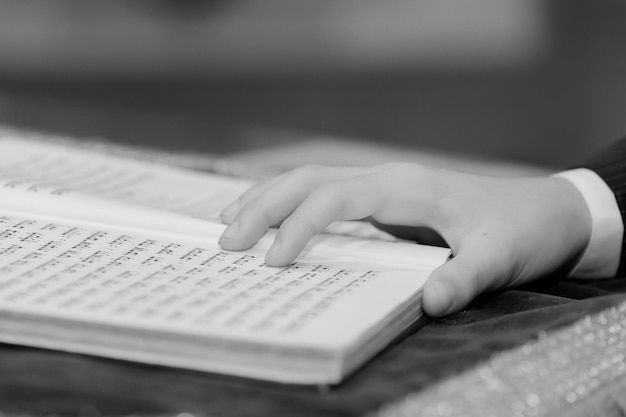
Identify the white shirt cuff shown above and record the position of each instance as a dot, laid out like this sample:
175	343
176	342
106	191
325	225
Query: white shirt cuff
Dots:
601	257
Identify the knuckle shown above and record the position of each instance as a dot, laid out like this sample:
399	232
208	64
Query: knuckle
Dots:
410	174
255	213
329	191
394	165
405	169
305	172
335	196
300	225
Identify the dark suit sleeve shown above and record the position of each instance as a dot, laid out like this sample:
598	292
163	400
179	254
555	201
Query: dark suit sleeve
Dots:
610	165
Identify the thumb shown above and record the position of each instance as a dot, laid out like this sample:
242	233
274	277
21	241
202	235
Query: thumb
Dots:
456	283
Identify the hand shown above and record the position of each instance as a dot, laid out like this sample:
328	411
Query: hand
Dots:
502	232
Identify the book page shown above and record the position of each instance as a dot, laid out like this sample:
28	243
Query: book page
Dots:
99	276
52	170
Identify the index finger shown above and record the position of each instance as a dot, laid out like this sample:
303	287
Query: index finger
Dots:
350	199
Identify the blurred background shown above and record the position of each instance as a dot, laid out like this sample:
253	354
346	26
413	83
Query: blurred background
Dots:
534	81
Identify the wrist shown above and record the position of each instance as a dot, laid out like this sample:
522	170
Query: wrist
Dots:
574	212
601	256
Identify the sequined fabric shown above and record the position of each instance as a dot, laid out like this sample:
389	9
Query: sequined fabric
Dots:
548	377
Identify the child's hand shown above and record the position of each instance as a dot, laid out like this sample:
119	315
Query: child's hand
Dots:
502	232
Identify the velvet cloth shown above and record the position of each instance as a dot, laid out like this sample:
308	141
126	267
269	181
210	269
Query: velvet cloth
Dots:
40	381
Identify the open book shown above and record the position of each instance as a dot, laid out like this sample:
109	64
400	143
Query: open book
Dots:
116	257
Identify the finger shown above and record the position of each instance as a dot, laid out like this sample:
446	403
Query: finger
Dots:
457	282
303	174
255	217
342	200
275	202
266	205
228	214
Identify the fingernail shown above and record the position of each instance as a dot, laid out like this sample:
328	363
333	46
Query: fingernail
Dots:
230	233
443	295
272	252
